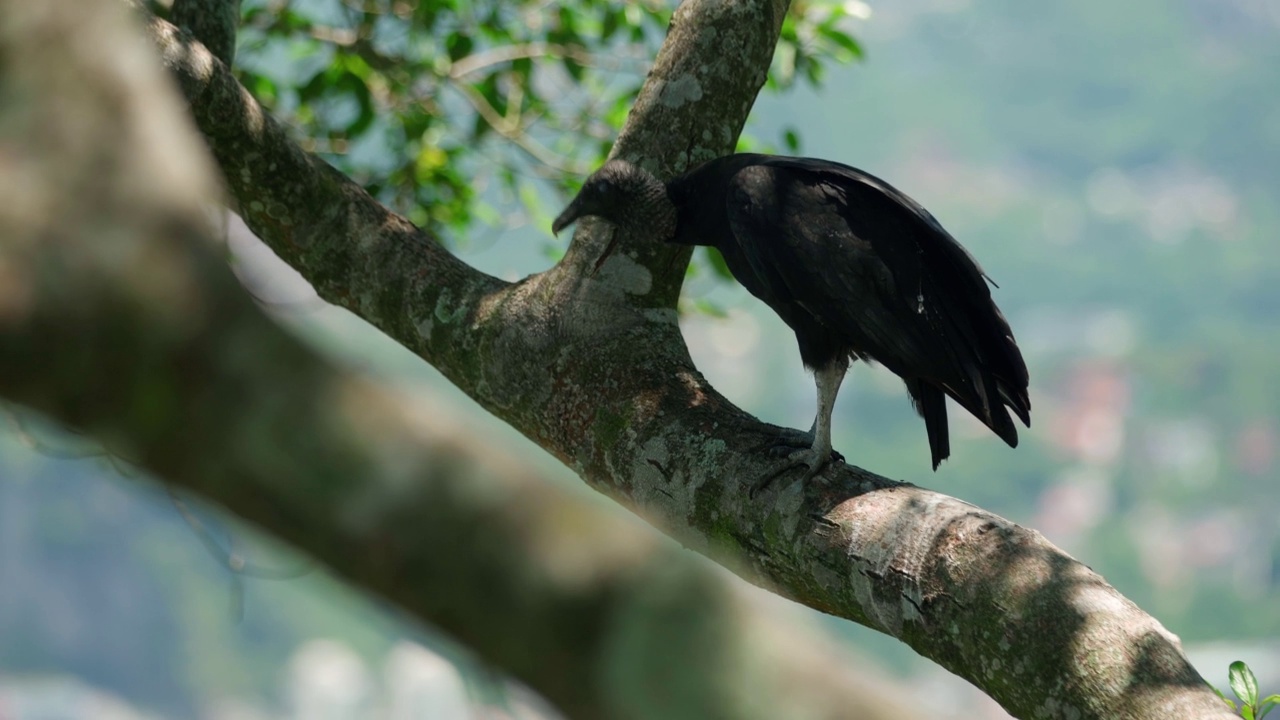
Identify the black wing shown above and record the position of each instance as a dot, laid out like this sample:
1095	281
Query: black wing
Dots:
871	264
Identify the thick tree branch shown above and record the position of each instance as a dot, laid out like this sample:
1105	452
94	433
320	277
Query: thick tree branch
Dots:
354	251
212	22
118	316
590	364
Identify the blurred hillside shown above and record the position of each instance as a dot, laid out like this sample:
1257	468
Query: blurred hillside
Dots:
1115	169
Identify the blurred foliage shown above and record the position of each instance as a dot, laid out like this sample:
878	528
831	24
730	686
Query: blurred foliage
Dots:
430	104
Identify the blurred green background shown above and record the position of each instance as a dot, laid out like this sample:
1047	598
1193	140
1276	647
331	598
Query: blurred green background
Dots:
1114	167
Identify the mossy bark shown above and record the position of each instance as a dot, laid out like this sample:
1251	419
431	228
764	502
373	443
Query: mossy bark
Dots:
590	364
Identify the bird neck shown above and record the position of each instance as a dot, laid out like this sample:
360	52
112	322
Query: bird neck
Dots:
652	212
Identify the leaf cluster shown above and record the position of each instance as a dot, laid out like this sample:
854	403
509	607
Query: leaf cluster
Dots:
446	109
1245	686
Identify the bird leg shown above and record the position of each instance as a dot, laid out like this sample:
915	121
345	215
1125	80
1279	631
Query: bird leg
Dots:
815	450
828	380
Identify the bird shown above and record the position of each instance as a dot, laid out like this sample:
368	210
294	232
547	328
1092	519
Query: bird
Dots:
856	268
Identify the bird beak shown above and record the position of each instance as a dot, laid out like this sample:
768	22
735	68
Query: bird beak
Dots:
568	217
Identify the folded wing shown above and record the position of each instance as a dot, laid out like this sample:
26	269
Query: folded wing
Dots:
878	274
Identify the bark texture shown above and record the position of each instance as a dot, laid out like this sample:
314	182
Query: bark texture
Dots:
590	364
119	316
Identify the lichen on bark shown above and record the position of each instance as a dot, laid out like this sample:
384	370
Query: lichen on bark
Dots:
592	367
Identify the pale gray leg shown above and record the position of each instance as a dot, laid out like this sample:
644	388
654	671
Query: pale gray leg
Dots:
828	381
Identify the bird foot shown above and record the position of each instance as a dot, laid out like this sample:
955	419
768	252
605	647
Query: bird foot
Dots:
797	448
789	442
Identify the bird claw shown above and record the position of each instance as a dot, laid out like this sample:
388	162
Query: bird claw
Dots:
793	441
802	456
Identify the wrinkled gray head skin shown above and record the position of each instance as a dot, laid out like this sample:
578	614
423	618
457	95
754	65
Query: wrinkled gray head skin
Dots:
623	194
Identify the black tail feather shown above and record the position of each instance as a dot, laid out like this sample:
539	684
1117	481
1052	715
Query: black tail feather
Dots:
993	404
1018	401
931	403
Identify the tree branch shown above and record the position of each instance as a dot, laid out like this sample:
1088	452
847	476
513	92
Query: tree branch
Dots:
118	316
590	364
507	53
354	251
212	22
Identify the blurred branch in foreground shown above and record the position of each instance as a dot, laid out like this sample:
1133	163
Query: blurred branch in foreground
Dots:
119	317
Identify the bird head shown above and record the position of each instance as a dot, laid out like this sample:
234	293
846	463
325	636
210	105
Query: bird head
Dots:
618	192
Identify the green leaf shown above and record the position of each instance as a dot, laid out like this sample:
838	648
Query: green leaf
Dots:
635	16
459	45
1267	705
813	70
842	40
539	216
717	263
791	139
523	68
480	127
710	307
609	26
574	68
356	87
261	87
1243	683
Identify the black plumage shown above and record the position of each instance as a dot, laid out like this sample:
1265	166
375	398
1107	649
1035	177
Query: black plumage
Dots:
856	268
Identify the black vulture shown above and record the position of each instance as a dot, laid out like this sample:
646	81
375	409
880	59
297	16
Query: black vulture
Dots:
856	268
